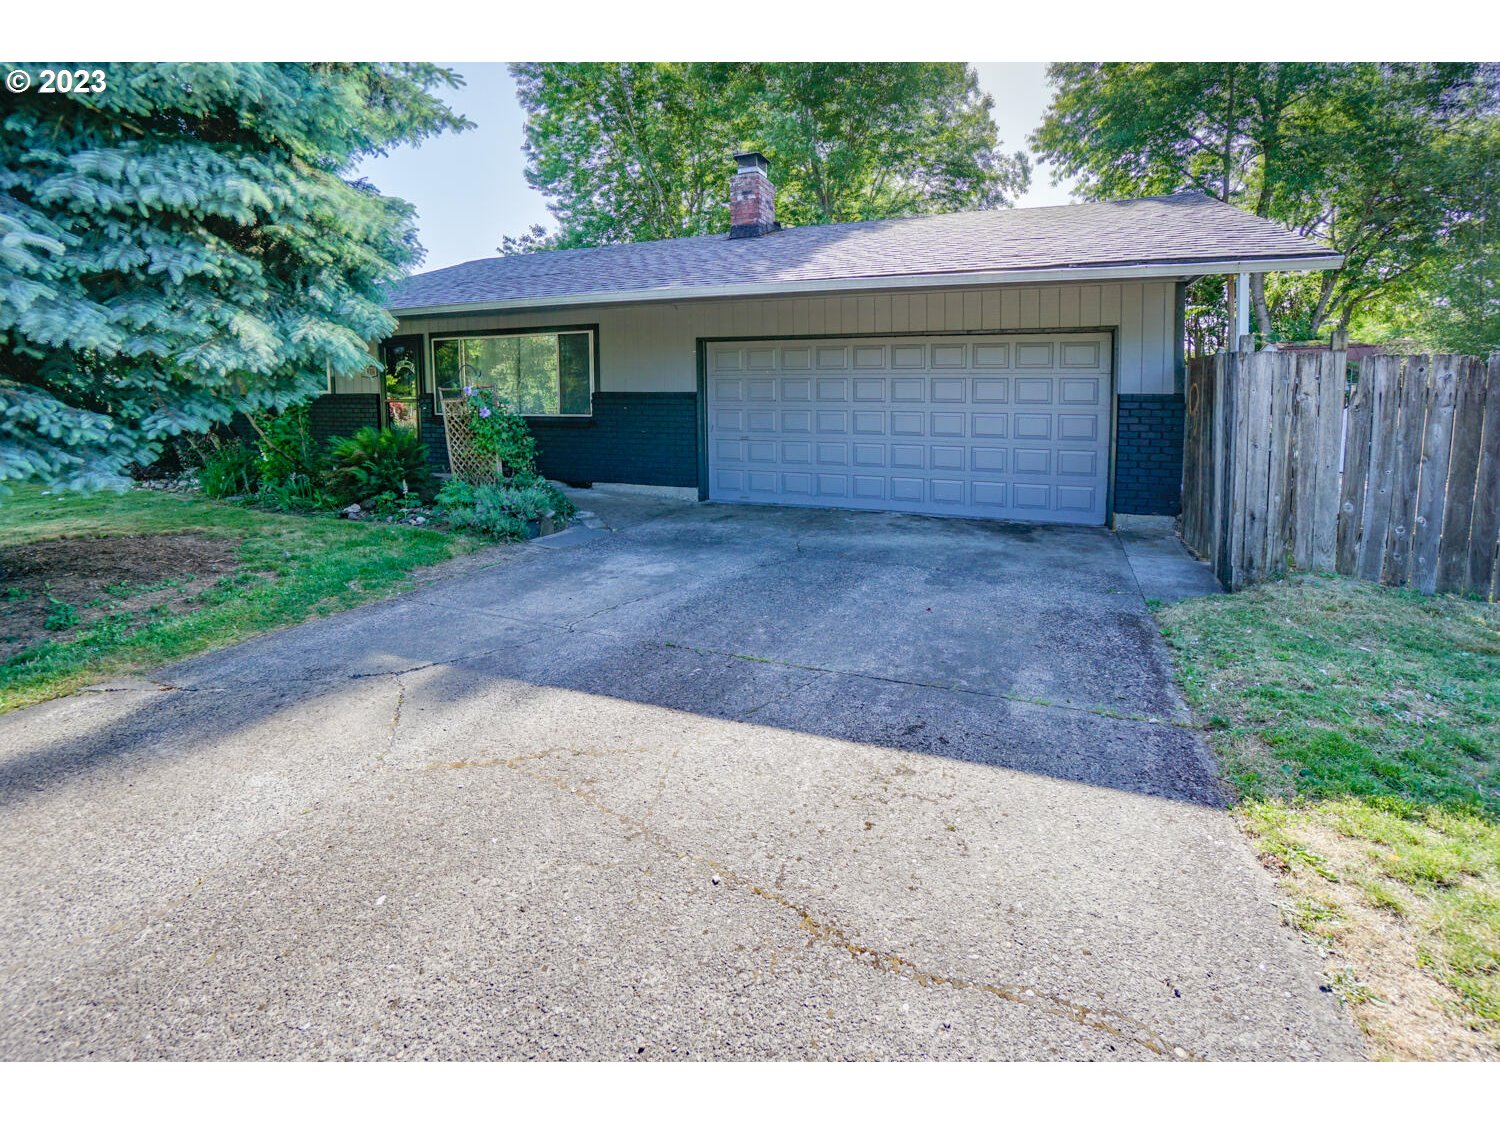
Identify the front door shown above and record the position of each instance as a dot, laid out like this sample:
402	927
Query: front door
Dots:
401	359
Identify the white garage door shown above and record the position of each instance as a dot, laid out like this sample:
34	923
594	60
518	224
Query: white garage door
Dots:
1005	427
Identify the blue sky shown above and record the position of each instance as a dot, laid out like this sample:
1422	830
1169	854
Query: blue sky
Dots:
469	189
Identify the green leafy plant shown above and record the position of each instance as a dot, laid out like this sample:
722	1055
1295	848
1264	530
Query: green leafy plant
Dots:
286	444
455	493
393	503
372	461
232	469
296	492
503	511
60	615
500	432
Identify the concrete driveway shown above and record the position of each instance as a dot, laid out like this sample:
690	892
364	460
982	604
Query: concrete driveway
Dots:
719	783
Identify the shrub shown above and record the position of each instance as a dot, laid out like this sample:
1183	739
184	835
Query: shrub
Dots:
455	493
232	469
286	444
375	461
502	510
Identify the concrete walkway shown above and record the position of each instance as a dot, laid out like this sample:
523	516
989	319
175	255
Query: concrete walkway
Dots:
708	782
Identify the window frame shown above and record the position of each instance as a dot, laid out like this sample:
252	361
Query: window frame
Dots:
591	330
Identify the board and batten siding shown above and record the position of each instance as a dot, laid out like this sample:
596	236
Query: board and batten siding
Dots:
652	347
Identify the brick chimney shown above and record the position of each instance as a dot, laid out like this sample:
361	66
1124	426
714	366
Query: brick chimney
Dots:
752	199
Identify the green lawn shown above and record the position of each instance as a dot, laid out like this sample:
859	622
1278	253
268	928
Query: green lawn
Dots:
280	569
1360	728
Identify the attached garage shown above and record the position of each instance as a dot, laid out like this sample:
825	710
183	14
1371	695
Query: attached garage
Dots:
1021	364
1002	427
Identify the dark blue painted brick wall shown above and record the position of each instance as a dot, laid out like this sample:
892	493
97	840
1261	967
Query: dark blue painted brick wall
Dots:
1148	455
632	438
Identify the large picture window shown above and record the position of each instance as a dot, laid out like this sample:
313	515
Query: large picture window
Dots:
540	373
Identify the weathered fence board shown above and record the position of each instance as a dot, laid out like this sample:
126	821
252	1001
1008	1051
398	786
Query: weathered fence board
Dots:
1351	512
1329	395
1385	378
1432	495
1198	458
1408	467
1463	473
1486	526
1401	486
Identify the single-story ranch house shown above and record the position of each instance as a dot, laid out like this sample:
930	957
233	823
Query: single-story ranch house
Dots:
1013	364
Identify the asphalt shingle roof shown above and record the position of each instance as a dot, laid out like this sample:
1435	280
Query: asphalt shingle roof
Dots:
1188	228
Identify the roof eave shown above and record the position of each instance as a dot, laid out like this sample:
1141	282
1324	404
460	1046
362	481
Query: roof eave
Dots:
1140	271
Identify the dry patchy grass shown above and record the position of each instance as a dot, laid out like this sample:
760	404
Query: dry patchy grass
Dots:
1361	728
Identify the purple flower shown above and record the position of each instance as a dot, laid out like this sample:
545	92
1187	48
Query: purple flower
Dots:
470	392
484	411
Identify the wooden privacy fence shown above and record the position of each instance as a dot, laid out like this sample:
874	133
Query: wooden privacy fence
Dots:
1398	482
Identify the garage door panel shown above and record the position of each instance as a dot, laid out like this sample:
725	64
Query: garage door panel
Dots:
1079	427
1013	427
947	457
985	459
833	422
908	489
796	421
1033	427
947	492
947	424
908	457
908	423
990	425
991	355
796	358
992	390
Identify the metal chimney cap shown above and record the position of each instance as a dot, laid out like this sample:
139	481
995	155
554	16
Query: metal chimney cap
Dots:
752	162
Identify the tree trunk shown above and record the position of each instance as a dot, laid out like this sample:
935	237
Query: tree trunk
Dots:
1258	302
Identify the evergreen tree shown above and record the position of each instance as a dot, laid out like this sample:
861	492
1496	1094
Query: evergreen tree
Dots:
188	243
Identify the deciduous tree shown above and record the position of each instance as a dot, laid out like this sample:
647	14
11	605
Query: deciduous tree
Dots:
1385	162
628	152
